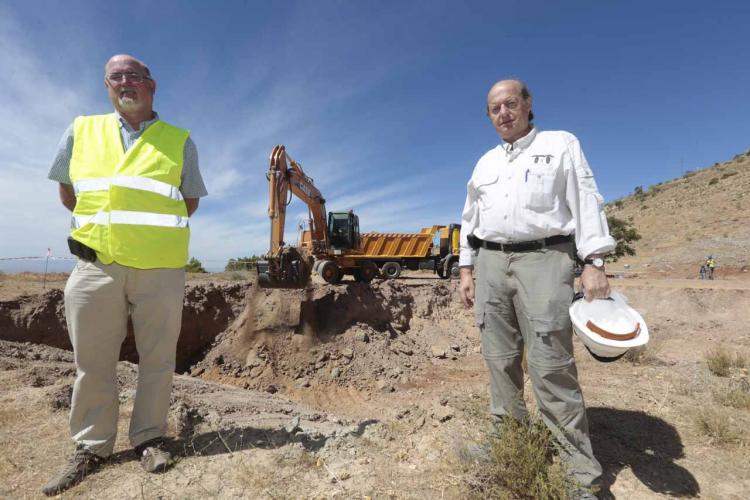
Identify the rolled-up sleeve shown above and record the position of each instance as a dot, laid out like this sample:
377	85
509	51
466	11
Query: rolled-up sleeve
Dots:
586	205
469	219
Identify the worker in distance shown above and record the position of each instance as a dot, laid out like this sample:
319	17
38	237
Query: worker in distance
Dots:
532	206
132	181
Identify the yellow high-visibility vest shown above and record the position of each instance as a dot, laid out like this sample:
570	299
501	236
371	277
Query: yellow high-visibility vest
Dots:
128	204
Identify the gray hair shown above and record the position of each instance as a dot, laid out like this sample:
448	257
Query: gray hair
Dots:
140	63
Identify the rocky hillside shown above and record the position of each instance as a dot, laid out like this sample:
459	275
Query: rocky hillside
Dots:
705	212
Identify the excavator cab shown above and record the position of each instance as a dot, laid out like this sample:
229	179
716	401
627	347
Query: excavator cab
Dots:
343	230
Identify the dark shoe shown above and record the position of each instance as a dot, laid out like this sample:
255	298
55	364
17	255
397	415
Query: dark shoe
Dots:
81	464
153	456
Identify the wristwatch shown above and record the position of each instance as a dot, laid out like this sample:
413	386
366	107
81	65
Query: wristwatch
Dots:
597	262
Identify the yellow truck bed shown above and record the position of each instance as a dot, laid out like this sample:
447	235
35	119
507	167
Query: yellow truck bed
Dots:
398	245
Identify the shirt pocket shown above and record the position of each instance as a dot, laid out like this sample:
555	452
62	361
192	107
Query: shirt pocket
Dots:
540	190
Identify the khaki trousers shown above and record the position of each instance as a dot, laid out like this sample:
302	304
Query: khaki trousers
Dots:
98	298
522	299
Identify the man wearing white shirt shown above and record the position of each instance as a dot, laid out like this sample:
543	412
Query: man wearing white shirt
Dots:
531	204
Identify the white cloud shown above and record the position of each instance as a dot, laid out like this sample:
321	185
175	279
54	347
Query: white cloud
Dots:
36	110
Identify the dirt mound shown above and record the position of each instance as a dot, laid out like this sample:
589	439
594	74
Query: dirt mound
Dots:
380	336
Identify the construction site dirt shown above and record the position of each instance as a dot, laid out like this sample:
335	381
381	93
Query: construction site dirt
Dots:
357	390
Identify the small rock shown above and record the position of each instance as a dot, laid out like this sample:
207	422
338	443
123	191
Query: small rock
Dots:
456	347
333	419
322	358
347	353
384	386
443	413
401	414
335	372
361	336
443	401
197	371
293	426
438	351
303	382
271	389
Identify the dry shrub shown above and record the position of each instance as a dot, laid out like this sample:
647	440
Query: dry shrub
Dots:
642	355
717	426
720	361
737	395
519	464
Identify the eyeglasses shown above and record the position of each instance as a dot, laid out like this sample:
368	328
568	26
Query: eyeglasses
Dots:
510	104
131	76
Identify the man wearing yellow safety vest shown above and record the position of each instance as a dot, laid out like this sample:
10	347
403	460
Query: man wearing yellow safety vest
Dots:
131	181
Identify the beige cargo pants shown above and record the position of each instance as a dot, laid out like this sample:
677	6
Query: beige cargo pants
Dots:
522	299
98	298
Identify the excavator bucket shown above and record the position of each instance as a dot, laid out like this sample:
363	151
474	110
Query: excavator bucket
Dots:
288	270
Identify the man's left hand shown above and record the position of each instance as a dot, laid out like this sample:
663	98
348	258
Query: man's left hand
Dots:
595	283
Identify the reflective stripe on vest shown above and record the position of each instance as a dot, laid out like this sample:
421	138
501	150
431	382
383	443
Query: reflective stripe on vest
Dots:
142	183
130	217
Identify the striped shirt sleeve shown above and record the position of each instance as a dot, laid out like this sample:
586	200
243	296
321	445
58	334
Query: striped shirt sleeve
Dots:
192	182
60	170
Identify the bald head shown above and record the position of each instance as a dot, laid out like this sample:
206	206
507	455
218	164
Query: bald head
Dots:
509	109
128	59
518	85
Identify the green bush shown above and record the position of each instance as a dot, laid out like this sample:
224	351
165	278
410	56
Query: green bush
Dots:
241	263
194	266
624	234
520	464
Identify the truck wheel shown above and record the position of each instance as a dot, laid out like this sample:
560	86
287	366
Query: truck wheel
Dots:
329	271
366	272
391	270
440	270
455	270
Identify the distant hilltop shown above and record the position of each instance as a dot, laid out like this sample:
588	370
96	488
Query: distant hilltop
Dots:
681	221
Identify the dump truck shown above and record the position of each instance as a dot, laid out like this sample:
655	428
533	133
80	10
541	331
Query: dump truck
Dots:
332	244
433	247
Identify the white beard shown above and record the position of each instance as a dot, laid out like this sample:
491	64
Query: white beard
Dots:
127	103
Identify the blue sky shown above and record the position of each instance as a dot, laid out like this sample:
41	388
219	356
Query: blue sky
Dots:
382	102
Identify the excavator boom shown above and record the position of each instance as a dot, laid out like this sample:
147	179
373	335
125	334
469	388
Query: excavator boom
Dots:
287	266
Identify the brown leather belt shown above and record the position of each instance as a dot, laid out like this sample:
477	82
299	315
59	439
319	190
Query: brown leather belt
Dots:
523	246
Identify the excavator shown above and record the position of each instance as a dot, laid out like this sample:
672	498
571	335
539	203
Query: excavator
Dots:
330	245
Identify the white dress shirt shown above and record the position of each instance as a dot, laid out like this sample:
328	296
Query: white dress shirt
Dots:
536	187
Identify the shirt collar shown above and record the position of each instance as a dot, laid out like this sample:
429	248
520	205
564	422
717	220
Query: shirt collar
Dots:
521	144
141	127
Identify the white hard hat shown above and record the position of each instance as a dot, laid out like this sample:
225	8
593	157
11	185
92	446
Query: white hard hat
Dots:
608	327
